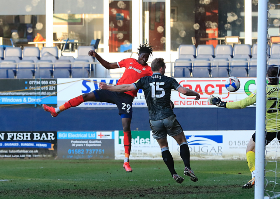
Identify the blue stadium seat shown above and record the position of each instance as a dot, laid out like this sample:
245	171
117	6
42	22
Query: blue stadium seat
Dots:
70	58
1	53
26	69
239	67
273	61
48	57
44	69
242	51
182	68
220	67
62	69
252	67
275	51
30	58
80	69
83	50
252	70
220	64
223	51
49	51
239	64
8	69
205	51
187	52
31	53
13	53
201	67
83	53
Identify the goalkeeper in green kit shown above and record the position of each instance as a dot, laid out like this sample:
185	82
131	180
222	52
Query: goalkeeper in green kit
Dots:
272	108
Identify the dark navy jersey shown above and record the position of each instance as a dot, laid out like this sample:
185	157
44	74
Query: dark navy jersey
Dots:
157	90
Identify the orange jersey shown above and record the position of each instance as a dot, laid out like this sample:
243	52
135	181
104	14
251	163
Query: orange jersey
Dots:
133	72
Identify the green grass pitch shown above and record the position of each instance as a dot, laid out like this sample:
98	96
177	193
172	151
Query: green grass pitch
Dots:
107	179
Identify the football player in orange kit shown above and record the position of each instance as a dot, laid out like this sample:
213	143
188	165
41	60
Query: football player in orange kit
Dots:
134	70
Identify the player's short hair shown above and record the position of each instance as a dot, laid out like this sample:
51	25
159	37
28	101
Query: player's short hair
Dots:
273	73
145	48
157	63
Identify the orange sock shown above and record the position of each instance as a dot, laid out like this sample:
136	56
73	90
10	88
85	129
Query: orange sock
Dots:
127	143
72	103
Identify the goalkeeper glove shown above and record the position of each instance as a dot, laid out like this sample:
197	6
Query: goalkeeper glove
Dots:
216	101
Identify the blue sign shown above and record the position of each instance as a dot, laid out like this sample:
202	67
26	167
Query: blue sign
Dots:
28	100
204	139
25	145
76	135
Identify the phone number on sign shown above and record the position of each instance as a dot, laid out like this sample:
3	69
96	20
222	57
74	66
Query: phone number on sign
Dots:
85	151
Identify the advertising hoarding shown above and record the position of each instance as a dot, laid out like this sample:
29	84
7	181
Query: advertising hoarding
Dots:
211	86
28	144
212	145
27	91
70	88
85	145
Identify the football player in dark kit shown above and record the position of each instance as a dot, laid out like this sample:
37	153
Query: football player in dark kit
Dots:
157	89
134	70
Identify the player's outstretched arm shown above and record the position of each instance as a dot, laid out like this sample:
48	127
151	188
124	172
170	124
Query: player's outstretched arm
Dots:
189	92
104	63
118	88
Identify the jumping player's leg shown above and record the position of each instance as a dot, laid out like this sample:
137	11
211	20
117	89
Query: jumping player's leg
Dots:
160	134
71	103
124	104
184	148
250	155
166	155
126	121
185	155
168	159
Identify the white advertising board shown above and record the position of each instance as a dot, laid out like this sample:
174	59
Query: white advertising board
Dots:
211	145
143	145
70	88
210	86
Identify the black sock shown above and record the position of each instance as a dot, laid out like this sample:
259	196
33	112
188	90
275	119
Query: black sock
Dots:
168	160
185	155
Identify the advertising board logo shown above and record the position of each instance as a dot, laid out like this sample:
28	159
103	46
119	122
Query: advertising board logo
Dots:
104	135
137	137
205	87
205	145
93	84
204	139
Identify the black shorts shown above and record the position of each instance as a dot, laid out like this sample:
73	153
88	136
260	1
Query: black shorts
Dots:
269	137
122	100
168	126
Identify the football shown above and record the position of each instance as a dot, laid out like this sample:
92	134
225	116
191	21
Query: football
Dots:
232	84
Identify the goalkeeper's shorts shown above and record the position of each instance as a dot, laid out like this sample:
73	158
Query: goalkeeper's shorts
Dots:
168	126
269	137
122	100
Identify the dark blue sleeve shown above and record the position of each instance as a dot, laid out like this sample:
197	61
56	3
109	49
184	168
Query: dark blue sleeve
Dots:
175	84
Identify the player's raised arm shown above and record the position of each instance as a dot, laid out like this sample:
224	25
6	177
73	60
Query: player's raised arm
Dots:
189	92
104	63
118	88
